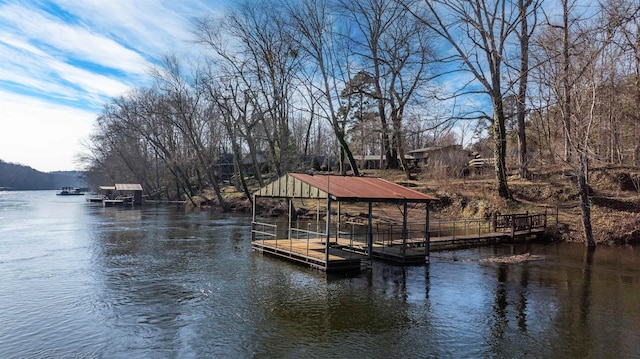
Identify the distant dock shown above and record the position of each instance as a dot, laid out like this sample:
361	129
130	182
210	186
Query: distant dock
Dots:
118	195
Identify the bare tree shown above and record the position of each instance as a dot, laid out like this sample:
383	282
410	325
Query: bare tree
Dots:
478	32
224	97
185	112
319	42
582	64
526	9
136	116
394	50
265	61
629	45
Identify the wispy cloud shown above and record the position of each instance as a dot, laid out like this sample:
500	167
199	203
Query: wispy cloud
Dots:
31	70
70	41
60	60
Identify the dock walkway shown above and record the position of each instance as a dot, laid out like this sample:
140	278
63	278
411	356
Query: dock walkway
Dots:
352	252
468	240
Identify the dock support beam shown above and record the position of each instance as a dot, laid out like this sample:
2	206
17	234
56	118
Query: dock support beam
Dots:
404	230
427	236
290	200
328	239
370	232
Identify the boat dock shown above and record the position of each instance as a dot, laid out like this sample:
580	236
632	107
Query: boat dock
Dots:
118	195
348	251
336	246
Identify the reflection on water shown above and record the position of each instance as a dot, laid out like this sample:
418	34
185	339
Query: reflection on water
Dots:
84	281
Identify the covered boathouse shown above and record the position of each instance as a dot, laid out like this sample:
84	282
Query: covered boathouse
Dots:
331	244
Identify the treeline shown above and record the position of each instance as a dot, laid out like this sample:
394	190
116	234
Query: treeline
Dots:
291	82
18	177
294	84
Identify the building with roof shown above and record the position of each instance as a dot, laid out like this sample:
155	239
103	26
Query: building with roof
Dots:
121	193
452	155
329	243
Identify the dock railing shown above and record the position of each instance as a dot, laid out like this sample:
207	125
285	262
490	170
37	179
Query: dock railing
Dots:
261	231
519	222
459	228
388	236
392	233
296	235
356	235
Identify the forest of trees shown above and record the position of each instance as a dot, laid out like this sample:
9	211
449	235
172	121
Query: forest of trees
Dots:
18	177
298	83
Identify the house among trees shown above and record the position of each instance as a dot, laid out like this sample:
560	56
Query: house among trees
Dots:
260	162
224	166
447	156
375	162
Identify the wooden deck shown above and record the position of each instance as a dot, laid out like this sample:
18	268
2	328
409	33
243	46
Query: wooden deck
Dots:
311	252
343	253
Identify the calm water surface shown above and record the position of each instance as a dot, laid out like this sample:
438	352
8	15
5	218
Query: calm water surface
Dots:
81	281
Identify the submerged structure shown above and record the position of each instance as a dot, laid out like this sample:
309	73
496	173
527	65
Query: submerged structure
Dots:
331	243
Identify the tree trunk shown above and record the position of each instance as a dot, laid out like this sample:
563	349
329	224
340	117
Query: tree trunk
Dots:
522	86
499	160
566	105
500	144
585	205
345	147
241	175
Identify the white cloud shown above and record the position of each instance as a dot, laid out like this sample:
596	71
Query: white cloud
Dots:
45	136
57	68
39	72
150	26
96	85
70	41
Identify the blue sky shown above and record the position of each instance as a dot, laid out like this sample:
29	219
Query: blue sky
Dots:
61	60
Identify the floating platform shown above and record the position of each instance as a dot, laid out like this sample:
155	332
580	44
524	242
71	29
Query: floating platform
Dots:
311	253
117	202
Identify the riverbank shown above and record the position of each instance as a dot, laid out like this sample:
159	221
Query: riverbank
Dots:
615	200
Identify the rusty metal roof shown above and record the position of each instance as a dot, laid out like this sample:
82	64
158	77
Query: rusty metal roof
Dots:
341	188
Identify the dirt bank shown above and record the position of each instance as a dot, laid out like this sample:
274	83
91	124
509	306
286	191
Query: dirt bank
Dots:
615	200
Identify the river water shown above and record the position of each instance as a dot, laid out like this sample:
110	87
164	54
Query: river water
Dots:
82	281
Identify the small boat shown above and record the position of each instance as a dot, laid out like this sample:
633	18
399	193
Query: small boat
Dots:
70	191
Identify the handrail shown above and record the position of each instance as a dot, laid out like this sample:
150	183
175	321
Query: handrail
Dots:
519	221
265	224
263	230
